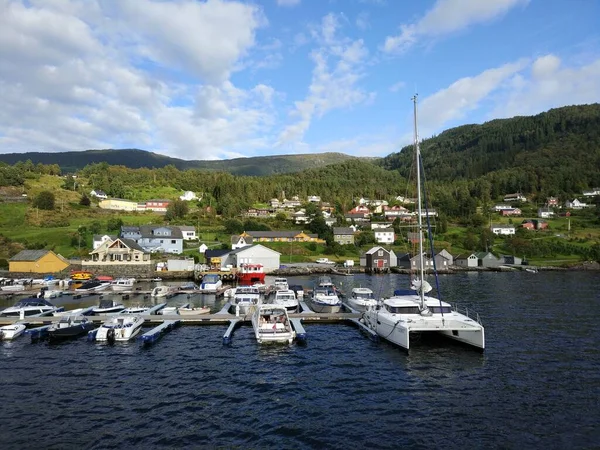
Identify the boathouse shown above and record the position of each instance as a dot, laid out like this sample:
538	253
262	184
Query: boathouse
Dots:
378	259
255	254
37	261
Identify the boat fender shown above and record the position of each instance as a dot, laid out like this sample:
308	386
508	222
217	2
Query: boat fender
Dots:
110	335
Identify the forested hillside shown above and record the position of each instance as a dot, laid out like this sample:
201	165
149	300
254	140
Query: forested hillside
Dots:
553	153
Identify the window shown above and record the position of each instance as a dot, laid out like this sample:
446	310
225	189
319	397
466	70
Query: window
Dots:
173	241
380	253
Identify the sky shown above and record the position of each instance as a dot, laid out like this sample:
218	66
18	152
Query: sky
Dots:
216	79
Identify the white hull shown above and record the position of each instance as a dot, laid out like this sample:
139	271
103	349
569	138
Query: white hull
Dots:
9	332
361	305
13	288
322	308
271	325
194	311
163	291
125	328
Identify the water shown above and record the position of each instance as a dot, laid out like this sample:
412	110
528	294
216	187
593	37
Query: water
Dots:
536	386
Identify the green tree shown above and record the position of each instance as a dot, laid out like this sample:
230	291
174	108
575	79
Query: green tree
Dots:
177	209
114	224
45	200
85	200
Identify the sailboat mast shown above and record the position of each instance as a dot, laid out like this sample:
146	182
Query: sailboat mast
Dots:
419	203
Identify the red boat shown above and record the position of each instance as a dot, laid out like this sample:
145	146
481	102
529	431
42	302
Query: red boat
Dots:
251	273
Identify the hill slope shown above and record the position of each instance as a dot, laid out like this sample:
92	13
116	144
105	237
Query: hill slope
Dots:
135	159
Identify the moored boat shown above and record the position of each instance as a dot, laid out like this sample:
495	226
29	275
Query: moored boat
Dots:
361	299
244	298
163	291
211	283
193	311
287	299
250	273
93	286
138	309
122	284
30	307
272	325
108	306
13	331
281	283
81	275
70	326
120	328
325	300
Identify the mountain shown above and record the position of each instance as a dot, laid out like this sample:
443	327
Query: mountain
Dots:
135	159
554	152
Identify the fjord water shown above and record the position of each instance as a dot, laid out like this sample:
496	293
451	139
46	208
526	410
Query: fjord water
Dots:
537	385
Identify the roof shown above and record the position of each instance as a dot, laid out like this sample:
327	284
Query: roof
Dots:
235	238
97	237
186	227
279	234
146	231
343	230
29	255
132	244
374	249
245	249
216	253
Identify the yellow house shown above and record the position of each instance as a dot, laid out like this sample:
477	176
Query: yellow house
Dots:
37	261
118	204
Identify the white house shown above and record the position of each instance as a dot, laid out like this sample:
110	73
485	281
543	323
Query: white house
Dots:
314	199
503	230
240	241
518	197
98	194
545	213
592	193
575	204
466	260
384	235
255	254
188	232
499	208
188	196
100	239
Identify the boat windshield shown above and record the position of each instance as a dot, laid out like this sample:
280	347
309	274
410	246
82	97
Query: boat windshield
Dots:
403	309
364	295
210	278
27	303
106	303
440	309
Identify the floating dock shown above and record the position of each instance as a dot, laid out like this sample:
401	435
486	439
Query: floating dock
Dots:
157	332
233	324
299	329
38	333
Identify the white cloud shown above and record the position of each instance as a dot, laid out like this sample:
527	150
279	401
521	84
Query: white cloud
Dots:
463	96
397	86
338	66
446	17
362	21
549	85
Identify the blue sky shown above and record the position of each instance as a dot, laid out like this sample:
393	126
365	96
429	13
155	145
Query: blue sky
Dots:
222	79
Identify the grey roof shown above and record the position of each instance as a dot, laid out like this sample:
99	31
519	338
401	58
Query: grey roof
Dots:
279	234
97	237
216	253
132	244
374	249
235	238
248	247
343	230
29	255
186	227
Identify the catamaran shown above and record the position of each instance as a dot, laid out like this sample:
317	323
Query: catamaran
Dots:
409	312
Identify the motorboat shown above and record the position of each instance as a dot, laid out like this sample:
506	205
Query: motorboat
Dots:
164	291
120	328
411	311
122	284
171	310
8	332
191	286
81	275
361	299
12	288
244	298
51	293
298	290
75	312
229	293
70	326
250	273
93	286
189	311
139	309
272	325
108	307
287	299
30	307
325	300
281	284
211	283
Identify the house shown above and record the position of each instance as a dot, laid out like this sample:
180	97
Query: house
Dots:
274	202
100	239
238	241
384	236
157	205
37	261
300	217
254	254
180	265
378	259
358	217
534	224
380	225
330	221
518	197
117	252
468	260
343	235
258	212
446	254
552	202
405	200
360	209
487	259
314	199
591	193
188	232
118	204
391	212
188	196
545	213
215	258
575	204
499	208
502	229
155	238
511	212
511	260
291	204
98	194
282	236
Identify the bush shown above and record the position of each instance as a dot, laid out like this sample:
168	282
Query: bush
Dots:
3	263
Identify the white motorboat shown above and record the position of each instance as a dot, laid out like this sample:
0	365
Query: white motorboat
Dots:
411	311
211	283
139	309
171	310
93	286
163	291
287	299
52	293
271	324
244	298
108	307
12	288
189	311
361	299
70	326
298	290
30	307
120	328
229	293
325	300
122	284
8	332
281	284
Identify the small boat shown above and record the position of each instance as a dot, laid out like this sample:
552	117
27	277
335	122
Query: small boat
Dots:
53	293
191	286
139	309
93	286
287	299
75	312
361	299
108	307
250	273
156	279
122	284
211	283
120	328
298	290
281	284
171	310
30	307
12	288
325	300
81	275
193	311
8	332
163	291
104	278
70	326
271	324
244	298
